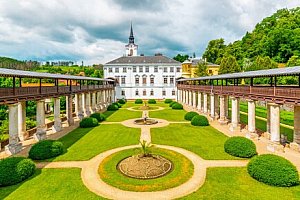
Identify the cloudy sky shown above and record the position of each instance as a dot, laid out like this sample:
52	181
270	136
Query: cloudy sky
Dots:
95	31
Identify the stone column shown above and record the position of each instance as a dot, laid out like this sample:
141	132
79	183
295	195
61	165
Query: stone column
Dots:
194	100
234	126
94	102
69	110
296	143
87	102
40	121
190	98
184	96
226	106
212	106
222	119
199	106
80	113
268	118
76	99
14	145
216	98
57	121
251	120
98	101
274	144
205	103
178	96
22	121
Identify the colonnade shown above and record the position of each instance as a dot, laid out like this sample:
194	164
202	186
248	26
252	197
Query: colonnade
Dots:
85	104
215	106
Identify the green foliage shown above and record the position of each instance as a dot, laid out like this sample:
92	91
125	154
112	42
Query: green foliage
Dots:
214	50
261	63
240	147
172	103
88	122
181	58
151	101
138	101
168	100
122	101
146	147
99	116
46	149
30	108
273	170
293	61
15	169
117	104
189	116
30	123
113	107
229	65
202	69
177	106
199	120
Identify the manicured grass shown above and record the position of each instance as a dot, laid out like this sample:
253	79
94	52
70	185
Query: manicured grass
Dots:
236	184
129	104
149	108
50	184
207	142
182	171
85	143
121	115
169	114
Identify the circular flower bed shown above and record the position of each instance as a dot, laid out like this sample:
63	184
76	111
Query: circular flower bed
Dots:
15	169
273	170
88	122
240	147
46	149
177	106
99	116
189	116
138	101
199	120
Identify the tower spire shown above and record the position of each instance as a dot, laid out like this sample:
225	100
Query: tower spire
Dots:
131	37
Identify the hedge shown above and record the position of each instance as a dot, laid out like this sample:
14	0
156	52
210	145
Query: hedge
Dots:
168	100
177	106
151	101
172	103
88	122
46	149
138	101
240	147
15	169
273	170
122	101
117	104
199	120
99	116
189	116
113	107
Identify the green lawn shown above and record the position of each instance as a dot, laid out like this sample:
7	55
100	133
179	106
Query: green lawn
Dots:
85	143
56	184
121	115
169	114
207	142
236	184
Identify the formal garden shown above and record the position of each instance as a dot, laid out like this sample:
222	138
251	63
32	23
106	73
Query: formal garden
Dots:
180	155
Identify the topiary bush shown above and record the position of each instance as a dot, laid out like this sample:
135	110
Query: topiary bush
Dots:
168	100
189	116
151	101
240	147
117	104
113	107
273	170
15	169
199	120
122	101
177	106
99	116
88	122
172	103
138	101
46	149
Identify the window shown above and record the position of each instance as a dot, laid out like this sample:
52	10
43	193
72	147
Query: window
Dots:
137	80
123	80
147	69
165	69
123	93
140	69
171	69
171	80
117	70
178	69
164	93
109	69
210	71
151	93
136	93
165	80
155	69
151	80
144	80
173	92
133	69
144	93
124	69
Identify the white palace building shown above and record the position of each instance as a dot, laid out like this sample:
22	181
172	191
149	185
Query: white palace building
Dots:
143	77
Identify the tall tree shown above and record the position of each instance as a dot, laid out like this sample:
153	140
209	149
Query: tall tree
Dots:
214	50
229	65
202	69
262	63
294	61
181	58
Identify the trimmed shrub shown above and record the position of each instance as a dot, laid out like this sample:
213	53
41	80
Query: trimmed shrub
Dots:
172	103
168	100
138	101
199	120
46	149
189	116
113	107
88	122
15	169
273	170
151	101
240	147
177	106
99	116
122	101
117	104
